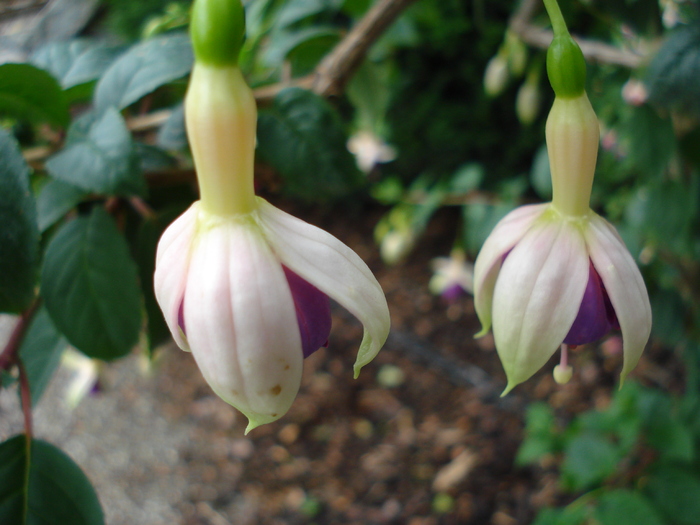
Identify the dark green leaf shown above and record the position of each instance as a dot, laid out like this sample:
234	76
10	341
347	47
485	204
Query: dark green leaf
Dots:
677	494
42	485
41	352
624	507
30	93
302	137
142	69
673	74
99	156
589	460
297	10
172	135
19	235
668	311
153	158
90	286
55	200
664	211
75	62
467	178
288	41
540	176
652	140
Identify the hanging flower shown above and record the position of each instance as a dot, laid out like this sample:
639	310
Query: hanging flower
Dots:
558	274
243	285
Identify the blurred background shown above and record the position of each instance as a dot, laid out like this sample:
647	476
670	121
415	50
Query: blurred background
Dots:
410	156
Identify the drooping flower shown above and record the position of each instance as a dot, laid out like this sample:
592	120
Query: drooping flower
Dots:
243	285
558	274
452	276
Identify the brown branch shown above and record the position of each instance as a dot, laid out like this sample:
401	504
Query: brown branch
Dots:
593	50
11	350
329	77
335	69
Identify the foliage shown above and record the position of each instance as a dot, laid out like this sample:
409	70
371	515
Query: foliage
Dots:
635	461
79	228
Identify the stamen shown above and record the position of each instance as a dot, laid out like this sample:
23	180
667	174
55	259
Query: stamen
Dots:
563	372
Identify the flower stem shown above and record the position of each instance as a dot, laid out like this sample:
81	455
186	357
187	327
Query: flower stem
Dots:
558	22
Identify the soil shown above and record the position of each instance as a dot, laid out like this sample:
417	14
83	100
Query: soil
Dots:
420	438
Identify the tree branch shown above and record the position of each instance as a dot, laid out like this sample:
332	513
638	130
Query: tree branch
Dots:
593	50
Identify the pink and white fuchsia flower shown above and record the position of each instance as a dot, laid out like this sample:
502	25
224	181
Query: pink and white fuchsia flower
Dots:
243	285
558	274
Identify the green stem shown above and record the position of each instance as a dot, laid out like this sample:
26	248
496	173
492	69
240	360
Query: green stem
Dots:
558	22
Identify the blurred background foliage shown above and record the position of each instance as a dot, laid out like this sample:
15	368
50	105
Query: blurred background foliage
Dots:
447	111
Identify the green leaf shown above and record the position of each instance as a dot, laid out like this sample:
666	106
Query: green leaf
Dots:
41	352
302	138
40	484
540	176
589	460
668	311
673	73
540	434
27	92
652	140
287	41
75	62
55	200
99	156
677	494
153	158
624	507
142	69
19	235
90	286
296	10
664	211
172	135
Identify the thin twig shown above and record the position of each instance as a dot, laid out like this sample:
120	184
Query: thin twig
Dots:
329	77
337	68
8	357
593	50
142	208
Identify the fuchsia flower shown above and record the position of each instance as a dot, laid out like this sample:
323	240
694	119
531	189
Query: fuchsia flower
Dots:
243	285
558	274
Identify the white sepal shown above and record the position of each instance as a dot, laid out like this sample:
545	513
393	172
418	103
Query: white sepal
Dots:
537	296
240	319
333	268
625	287
509	230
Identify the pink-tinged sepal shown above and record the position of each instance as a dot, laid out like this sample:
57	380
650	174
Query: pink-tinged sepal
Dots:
172	266
507	233
334	269
537	296
625	288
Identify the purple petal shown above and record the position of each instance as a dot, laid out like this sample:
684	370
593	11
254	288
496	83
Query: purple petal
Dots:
181	317
595	317
452	293
313	311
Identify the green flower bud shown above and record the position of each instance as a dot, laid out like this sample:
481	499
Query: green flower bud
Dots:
566	67
217	29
